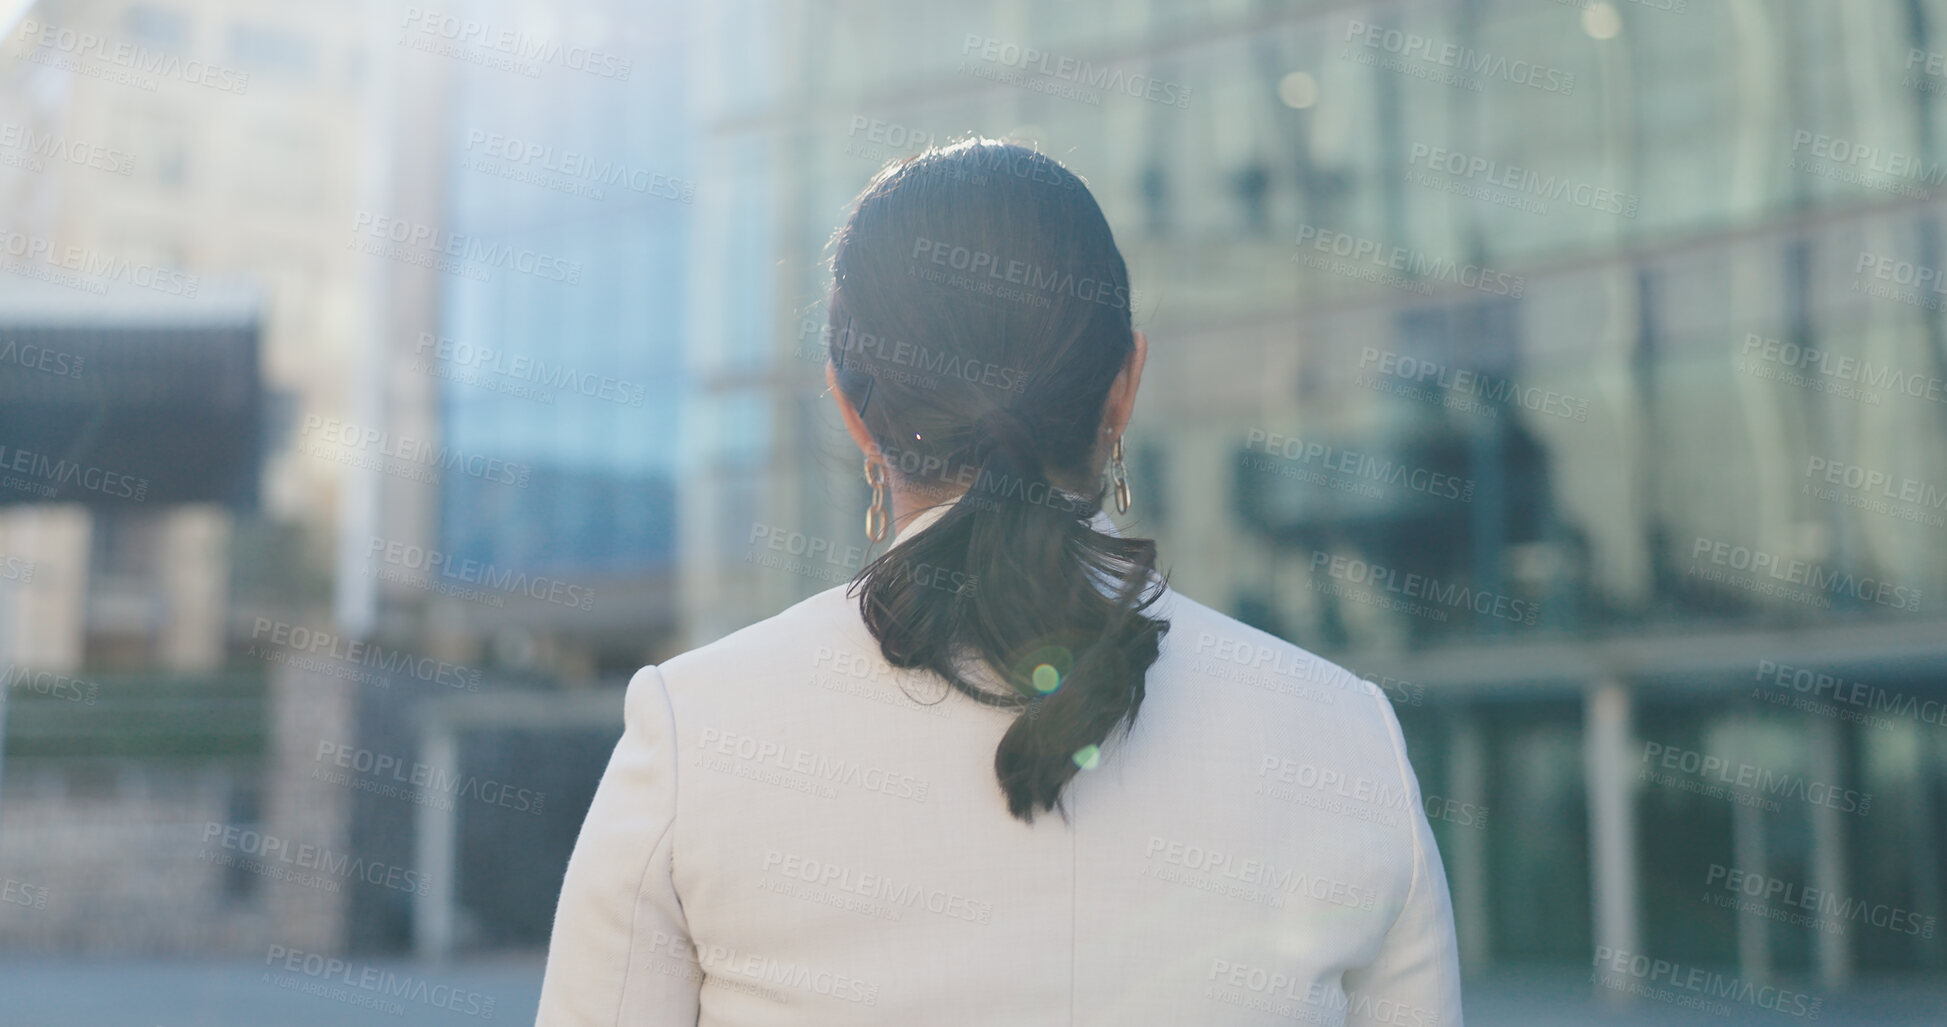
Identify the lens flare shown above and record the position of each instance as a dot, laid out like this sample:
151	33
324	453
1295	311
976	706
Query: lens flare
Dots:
1045	667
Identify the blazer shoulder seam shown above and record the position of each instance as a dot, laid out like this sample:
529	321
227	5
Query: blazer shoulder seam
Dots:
668	717
1395	739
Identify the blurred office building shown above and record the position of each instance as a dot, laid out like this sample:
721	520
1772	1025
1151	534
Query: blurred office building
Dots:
1549	364
173	300
393	428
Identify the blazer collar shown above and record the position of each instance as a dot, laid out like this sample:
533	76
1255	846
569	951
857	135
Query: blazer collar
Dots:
1100	521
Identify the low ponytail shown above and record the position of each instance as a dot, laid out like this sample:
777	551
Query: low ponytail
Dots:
1048	604
979	318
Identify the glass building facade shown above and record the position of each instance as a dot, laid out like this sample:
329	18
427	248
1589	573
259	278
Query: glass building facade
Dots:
570	368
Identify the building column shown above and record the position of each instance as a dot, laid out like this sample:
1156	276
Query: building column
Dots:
1611	782
1467	781
43	592
436	846
44	551
195	583
304	803
1749	852
1928	762
1830	872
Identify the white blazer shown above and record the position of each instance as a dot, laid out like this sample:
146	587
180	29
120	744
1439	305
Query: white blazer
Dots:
792	832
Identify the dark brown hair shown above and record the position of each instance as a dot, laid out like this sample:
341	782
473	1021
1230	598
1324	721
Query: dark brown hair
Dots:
979	315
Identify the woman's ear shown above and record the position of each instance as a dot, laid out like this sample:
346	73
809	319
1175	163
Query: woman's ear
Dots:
1122	392
854	424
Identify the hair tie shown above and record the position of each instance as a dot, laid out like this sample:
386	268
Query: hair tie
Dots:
998	431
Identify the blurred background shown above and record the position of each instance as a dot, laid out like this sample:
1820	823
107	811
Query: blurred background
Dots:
381	385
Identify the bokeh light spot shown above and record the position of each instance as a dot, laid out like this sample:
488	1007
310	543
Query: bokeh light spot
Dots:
1088	756
1298	90
1601	21
1044	667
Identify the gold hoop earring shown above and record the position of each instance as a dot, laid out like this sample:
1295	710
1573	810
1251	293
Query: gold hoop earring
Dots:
878	522
1119	477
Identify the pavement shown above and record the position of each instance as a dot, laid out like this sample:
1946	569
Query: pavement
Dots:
287	992
40	991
